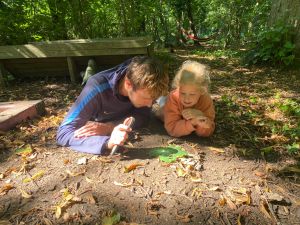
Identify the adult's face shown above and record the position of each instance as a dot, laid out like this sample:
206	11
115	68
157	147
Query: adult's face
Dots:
140	97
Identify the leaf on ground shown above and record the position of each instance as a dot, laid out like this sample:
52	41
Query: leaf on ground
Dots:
75	174
217	150
131	167
168	154
264	209
230	203
5	222
222	200
24	151
5	189
34	177
180	172
82	161
25	194
123	184
184	219
112	219
58	212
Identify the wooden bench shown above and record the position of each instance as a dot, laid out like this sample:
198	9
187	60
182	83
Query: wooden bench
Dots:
68	57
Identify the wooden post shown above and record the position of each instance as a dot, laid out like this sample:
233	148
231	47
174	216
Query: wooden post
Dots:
2	72
150	49
72	69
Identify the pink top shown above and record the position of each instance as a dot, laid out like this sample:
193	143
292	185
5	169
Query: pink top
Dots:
177	126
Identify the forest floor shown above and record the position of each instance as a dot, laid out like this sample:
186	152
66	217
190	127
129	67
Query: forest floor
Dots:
249	171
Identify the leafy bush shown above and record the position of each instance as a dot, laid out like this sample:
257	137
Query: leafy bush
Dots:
274	45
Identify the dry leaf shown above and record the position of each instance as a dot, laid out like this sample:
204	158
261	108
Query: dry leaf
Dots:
25	194
264	209
131	167
222	200
47	221
184	219
5	189
230	203
34	177
89	180
216	188
180	172
58	212
91	199
218	150
75	174
260	174
123	184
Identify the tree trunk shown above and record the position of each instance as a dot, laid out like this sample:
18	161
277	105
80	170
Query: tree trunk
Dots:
190	17
287	11
57	10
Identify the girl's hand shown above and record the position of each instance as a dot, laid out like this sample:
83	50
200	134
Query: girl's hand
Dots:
189	114
204	122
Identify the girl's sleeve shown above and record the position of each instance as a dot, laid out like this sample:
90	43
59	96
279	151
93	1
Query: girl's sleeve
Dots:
207	107
174	123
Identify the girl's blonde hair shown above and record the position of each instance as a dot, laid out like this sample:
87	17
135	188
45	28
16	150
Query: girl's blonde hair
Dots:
192	72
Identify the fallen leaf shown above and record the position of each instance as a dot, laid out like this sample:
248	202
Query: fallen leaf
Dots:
218	150
222	200
89	180
24	151
82	161
231	205
58	212
91	199
216	188
25	194
264	209
184	219
180	172
75	174
5	189
260	174
112	219
131	167
34	177
123	184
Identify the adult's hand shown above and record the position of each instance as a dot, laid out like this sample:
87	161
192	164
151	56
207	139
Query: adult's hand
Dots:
92	128
118	136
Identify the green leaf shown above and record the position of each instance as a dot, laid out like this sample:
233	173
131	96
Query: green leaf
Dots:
24	151
111	220
168	154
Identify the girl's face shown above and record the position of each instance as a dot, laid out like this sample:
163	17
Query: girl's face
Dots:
189	95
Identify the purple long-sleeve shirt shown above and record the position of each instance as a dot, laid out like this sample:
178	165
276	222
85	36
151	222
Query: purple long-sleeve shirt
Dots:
99	101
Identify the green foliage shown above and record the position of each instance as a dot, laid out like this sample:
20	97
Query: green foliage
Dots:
294	148
290	107
274	45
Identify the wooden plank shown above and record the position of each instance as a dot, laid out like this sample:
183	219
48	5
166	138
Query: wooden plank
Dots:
72	69
24	52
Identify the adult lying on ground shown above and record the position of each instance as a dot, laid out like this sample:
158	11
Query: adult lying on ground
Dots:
94	123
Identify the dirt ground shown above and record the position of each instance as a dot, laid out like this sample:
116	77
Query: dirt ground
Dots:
237	183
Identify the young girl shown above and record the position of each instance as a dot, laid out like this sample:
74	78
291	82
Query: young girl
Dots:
189	106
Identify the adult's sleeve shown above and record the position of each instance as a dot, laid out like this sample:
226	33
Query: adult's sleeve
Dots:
174	123
80	113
